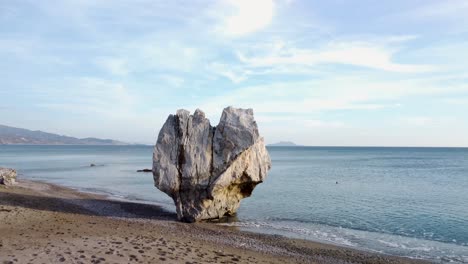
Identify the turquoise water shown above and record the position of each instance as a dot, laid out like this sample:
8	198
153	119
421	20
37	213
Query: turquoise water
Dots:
402	201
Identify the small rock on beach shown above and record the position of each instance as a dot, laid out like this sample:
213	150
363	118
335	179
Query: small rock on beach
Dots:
7	176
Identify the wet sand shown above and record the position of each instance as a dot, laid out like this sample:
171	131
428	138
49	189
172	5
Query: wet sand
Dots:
45	223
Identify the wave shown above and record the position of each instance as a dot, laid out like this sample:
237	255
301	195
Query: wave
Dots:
371	241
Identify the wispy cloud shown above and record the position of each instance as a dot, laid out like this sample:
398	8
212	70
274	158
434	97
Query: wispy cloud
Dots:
457	101
417	120
354	53
236	74
172	80
115	66
91	96
315	123
110	66
445	17
440	9
241	17
347	92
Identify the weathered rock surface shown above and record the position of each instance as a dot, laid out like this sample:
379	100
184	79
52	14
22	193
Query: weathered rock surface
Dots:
7	176
208	170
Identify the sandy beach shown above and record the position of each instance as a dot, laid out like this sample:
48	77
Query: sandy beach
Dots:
45	223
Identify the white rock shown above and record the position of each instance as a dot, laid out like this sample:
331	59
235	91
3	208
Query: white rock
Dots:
7	176
208	170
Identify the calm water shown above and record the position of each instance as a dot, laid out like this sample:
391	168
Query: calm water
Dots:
404	201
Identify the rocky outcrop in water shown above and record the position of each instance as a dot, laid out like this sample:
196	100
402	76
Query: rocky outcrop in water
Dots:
145	170
7	176
208	170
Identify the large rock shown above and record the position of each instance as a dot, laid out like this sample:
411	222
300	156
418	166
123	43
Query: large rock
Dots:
208	170
7	176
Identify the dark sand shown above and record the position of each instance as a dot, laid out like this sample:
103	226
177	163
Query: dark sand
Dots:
44	223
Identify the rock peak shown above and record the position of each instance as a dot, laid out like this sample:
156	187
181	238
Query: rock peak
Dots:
208	170
182	112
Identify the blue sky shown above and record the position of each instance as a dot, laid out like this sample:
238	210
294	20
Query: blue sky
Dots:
378	73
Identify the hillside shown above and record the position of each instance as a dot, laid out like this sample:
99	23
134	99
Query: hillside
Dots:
12	135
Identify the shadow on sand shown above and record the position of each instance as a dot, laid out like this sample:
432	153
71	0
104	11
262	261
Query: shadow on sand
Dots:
87	206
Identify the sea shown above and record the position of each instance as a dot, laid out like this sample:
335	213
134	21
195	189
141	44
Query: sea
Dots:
400	201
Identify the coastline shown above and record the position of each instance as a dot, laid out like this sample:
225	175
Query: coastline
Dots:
43	222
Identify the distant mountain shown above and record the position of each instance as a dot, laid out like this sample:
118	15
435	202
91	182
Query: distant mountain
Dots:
12	135
283	144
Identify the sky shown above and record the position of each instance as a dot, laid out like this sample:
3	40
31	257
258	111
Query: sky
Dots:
321	73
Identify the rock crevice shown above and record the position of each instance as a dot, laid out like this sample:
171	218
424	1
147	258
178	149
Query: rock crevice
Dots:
208	170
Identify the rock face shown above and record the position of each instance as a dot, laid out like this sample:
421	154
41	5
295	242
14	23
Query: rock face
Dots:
208	170
7	176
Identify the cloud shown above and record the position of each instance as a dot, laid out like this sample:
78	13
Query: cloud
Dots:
273	57
361	54
174	55
440	9
231	72
246	17
114	66
330	93
29	51
90	96
172	80
437	17
315	123
291	62
462	101
149	54
417	120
